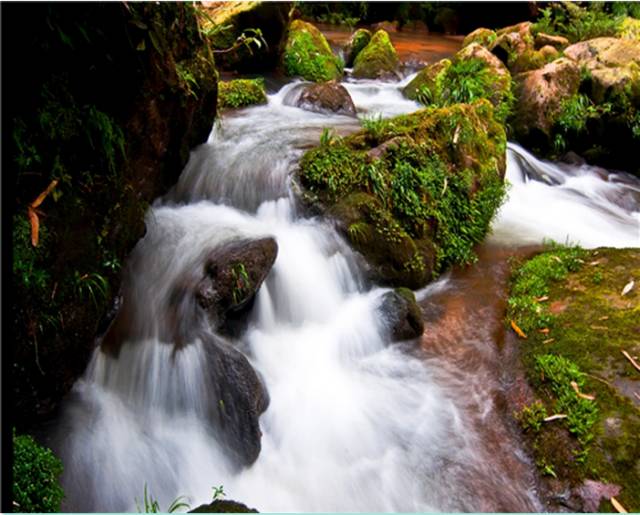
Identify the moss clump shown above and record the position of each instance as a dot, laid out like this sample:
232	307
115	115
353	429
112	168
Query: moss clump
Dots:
308	55
378	59
465	79
241	93
568	302
359	40
416	192
36	473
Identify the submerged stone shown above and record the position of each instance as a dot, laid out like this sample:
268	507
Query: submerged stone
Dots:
327	97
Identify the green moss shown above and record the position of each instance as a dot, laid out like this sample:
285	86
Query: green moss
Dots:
308	55
36	473
359	40
576	330
482	36
462	81
377	59
436	182
241	93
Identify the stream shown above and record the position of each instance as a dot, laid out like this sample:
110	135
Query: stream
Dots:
353	424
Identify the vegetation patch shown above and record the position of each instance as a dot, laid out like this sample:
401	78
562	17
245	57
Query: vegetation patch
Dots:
241	93
36	473
420	188
568	303
308	55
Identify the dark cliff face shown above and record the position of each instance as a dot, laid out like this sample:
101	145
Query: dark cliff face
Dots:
106	99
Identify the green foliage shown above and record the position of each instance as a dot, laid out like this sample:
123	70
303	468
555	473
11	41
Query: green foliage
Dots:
36	473
375	125
581	413
327	137
577	23
241	93
532	417
28	267
218	493
531	281
151	505
241	282
92	286
308	54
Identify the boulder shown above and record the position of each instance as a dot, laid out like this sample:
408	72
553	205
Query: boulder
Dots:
613	63
539	96
307	54
226	22
426	80
359	39
482	36
378	60
401	314
233	274
557	42
221	506
327	97
477	51
241	93
237	399
391	188
514	46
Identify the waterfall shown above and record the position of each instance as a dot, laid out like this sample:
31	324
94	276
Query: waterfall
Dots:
354	423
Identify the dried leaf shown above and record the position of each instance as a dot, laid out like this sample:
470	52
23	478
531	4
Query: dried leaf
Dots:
35	225
556	258
636	394
549	340
599	328
518	331
576	389
456	134
606	317
543	298
633	361
595	263
44	194
559	416
628	287
544	331
619	508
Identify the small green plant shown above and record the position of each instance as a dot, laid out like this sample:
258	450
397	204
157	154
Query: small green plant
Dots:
532	417
36	473
241	282
91	285
218	493
327	137
375	125
577	23
151	505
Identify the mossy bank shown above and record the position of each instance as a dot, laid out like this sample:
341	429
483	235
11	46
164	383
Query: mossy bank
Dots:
569	304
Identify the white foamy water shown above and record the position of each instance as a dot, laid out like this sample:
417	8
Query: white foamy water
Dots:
353	424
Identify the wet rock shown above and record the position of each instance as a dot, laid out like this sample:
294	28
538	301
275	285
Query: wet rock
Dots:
539	96
307	54
271	18
378	60
482	36
357	42
327	97
221	506
402	315
557	42
233	274
238	398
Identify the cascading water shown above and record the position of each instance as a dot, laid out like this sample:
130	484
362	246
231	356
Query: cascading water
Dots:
353	424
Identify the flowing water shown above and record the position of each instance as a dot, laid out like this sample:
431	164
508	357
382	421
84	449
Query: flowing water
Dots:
354	424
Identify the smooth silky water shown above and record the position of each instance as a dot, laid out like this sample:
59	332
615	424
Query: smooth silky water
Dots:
354	424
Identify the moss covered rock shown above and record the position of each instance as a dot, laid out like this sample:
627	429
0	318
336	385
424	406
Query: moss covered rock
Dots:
482	36
557	42
225	22
357	42
415	193
308	55
378	60
569	304
241	93
402	315
473	73
515	47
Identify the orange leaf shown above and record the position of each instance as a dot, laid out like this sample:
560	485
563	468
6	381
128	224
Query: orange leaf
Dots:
518	331
544	331
44	194
35	225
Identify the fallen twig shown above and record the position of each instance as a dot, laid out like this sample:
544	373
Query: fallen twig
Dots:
631	360
619	508
559	416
